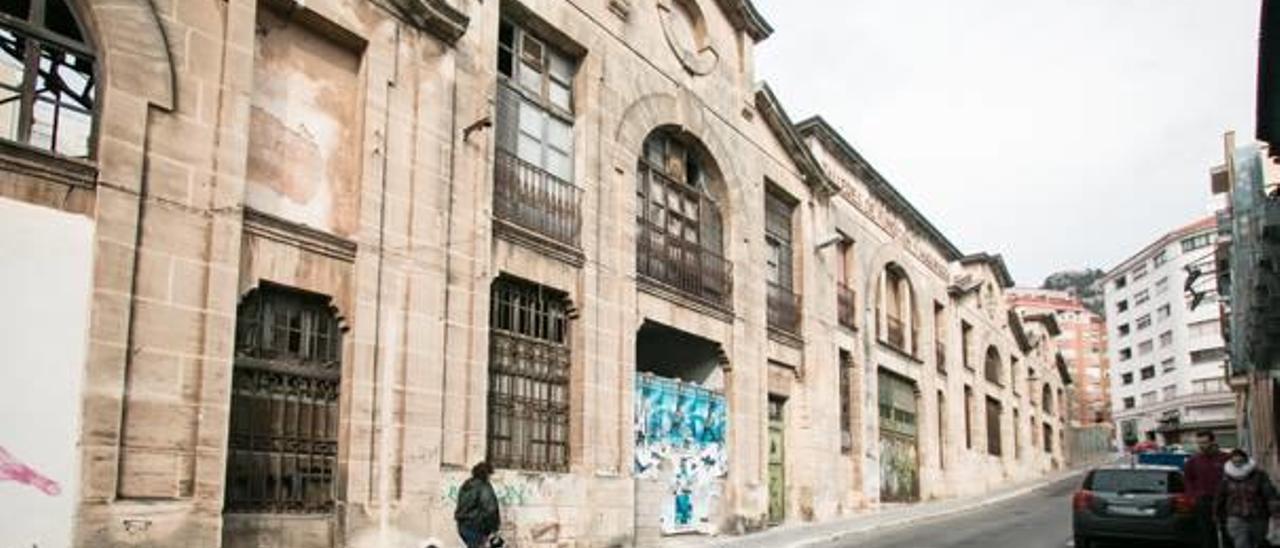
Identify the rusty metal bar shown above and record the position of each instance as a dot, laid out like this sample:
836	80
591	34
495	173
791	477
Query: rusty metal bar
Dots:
532	198
683	265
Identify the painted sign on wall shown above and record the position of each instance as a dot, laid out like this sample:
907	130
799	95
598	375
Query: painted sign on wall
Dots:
680	441
44	325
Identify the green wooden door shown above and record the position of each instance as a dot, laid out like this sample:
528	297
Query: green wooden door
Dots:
777	462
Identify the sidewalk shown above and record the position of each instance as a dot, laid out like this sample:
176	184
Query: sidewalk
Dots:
806	535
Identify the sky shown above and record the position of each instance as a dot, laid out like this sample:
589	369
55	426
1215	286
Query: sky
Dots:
1062	134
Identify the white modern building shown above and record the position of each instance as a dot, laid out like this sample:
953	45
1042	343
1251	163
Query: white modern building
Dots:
1167	354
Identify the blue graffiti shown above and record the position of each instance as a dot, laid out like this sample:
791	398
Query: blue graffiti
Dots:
680	440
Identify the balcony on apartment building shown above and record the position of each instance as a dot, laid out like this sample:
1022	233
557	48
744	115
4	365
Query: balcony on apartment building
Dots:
675	263
846	305
783	309
530	198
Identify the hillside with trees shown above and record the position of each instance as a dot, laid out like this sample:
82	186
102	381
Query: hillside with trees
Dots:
1085	284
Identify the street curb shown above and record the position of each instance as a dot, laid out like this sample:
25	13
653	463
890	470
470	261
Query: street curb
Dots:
907	520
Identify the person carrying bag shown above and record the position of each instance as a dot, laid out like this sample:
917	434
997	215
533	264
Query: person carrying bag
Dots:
477	510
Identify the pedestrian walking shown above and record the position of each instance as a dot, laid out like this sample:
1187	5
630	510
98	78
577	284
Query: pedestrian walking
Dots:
1203	473
1244	501
477	511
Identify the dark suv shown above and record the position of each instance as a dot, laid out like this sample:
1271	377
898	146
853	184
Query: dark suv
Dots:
1135	502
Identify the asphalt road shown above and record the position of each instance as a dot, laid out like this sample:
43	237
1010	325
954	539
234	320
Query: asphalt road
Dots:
1040	519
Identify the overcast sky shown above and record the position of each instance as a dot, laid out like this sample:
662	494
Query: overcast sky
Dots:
1060	133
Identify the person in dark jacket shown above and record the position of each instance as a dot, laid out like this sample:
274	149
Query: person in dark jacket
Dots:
1244	501
1203	473
477	510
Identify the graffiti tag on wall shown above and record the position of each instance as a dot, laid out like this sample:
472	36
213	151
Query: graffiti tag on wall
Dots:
509	494
13	470
680	440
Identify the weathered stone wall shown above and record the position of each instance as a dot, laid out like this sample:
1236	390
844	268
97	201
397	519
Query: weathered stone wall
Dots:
346	148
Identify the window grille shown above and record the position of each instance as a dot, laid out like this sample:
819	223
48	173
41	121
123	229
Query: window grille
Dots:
48	78
283	445
528	377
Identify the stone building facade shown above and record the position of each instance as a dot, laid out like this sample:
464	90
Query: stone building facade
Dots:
1082	343
316	259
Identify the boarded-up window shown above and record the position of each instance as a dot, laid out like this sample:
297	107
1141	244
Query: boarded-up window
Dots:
994	410
283	444
942	430
968	417
992	365
846	409
528	377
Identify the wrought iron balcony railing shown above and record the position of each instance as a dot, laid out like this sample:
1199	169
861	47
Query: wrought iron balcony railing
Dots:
529	197
685	266
783	309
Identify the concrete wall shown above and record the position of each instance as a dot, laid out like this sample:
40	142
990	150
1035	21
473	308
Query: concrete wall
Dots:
48	263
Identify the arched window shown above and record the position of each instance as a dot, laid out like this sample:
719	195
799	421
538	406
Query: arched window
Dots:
992	365
1046	399
48	80
895	303
283	446
680	242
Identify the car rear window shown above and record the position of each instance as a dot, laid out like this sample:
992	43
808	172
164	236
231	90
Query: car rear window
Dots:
1135	481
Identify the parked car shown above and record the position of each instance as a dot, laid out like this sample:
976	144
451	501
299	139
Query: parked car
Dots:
1134	502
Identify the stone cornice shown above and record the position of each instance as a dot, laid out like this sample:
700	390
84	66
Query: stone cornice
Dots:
778	121
744	16
437	17
997	264
298	235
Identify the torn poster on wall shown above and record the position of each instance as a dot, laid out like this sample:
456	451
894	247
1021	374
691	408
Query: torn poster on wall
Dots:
680	441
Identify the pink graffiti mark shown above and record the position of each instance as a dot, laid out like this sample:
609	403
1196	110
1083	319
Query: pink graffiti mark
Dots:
12	470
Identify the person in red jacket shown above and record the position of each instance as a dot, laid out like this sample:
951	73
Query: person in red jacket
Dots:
1203	474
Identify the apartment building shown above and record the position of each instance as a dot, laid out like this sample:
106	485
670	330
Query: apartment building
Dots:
1082	343
315	260
1166	351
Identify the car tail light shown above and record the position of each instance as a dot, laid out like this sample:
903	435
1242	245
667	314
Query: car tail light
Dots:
1184	504
1082	500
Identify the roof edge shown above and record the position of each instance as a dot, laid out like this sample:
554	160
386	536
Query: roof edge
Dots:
997	263
776	118
745	16
877	184
1165	239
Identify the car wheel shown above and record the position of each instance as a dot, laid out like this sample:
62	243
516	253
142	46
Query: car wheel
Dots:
1083	542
